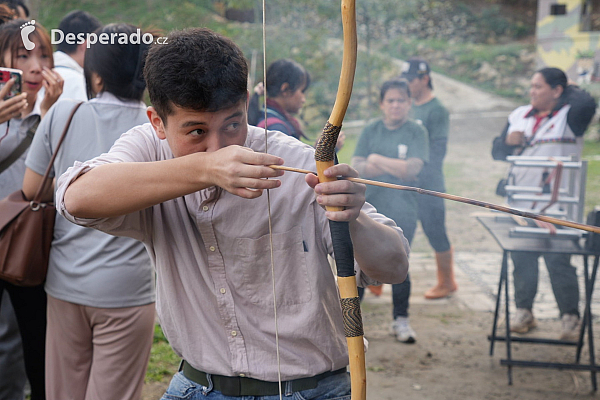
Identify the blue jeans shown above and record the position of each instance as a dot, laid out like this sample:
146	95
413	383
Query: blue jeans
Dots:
336	387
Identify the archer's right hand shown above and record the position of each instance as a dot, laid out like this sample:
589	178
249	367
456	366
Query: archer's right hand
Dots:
244	172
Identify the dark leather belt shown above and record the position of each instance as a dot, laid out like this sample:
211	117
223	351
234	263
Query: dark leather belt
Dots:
236	386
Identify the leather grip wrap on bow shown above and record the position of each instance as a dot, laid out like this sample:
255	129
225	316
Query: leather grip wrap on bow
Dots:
340	231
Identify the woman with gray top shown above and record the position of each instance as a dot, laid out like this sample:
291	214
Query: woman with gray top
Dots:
100	287
19	116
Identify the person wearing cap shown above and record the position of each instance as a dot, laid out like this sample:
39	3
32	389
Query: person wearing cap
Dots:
435	118
394	149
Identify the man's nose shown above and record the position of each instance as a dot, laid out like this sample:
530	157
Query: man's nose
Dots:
214	142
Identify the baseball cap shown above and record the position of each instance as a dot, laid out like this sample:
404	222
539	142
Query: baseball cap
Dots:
414	67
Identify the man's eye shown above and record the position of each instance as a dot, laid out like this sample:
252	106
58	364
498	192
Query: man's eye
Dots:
232	127
197	132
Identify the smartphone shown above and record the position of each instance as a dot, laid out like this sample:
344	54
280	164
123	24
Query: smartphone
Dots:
5	75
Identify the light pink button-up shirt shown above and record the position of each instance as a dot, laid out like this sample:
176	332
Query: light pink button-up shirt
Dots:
211	250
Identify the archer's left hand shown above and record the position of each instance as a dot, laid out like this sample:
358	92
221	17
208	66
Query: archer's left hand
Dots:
339	193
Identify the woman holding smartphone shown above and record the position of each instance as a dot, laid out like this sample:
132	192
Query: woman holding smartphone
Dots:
100	287
19	117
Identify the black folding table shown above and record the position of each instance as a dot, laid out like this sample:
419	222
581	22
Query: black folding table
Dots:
500	228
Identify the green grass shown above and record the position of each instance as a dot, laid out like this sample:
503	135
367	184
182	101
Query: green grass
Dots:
163	360
345	154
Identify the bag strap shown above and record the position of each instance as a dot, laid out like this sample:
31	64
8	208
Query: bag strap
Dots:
20	149
44	184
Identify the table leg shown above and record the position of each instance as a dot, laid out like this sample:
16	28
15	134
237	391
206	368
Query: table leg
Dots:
585	314
497	310
507	315
589	290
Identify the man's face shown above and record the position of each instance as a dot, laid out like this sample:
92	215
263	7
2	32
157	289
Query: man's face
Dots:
189	131
416	85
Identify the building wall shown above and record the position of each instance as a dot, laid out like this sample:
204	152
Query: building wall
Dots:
560	42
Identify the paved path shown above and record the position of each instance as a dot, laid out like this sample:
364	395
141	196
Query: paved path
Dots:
477	274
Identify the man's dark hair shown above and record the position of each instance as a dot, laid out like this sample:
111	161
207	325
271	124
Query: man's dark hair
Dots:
119	65
400	83
197	69
286	71
76	22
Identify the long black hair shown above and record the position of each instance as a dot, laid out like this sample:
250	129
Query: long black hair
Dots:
120	66
554	77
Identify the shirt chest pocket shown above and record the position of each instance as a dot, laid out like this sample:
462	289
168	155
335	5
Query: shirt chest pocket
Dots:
253	262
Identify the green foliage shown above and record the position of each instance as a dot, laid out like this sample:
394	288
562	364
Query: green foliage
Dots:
585	54
310	32
464	61
591	152
146	14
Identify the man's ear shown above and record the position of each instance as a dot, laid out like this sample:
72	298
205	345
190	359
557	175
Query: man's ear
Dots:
157	123
285	87
82	47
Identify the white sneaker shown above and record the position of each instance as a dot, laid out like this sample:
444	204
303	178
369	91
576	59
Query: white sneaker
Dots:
523	321
570	327
402	330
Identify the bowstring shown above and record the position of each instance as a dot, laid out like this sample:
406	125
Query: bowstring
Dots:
264	45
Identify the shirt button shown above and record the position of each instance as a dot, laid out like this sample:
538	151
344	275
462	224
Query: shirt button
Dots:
212	248
205	208
222	290
242	375
233	333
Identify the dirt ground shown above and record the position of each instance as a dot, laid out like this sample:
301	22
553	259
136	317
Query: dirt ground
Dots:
451	359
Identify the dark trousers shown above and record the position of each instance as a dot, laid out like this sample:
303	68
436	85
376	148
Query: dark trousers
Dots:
12	368
432	214
400	291
563	278
29	304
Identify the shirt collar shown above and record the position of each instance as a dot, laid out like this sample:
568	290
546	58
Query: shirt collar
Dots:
533	111
63	60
